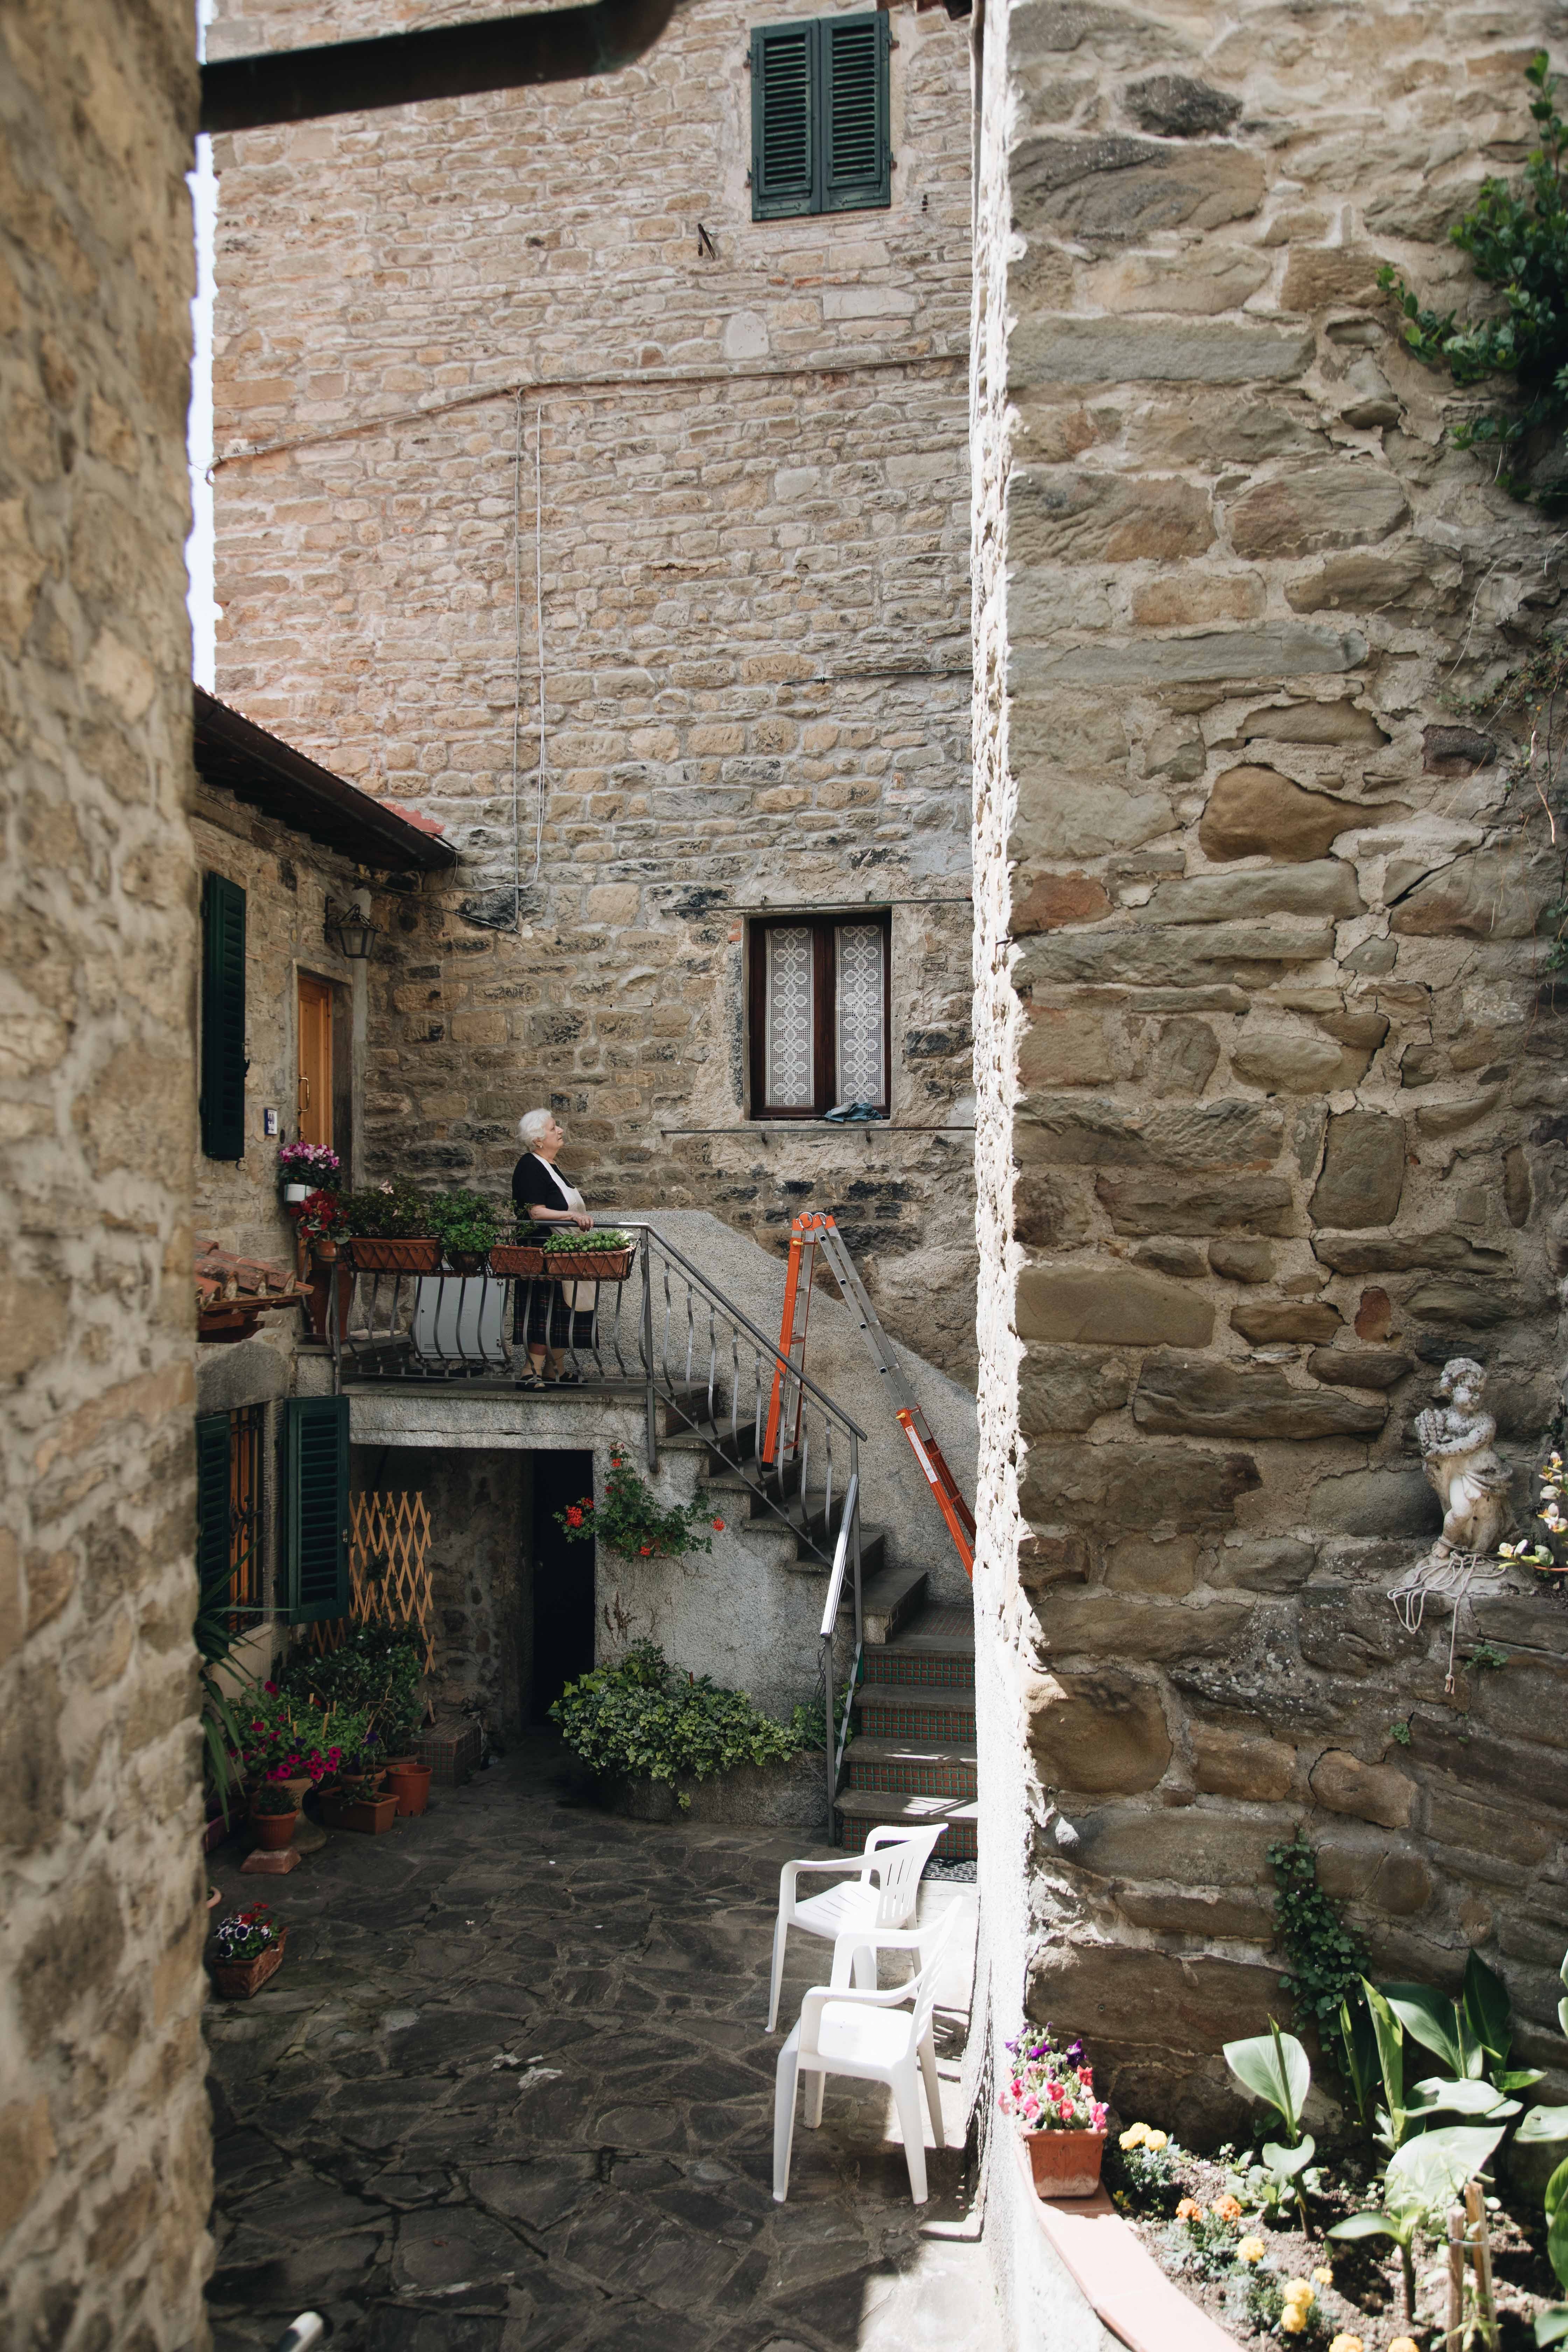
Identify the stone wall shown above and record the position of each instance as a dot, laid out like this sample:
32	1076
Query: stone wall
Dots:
1272	1093
750	472
104	2169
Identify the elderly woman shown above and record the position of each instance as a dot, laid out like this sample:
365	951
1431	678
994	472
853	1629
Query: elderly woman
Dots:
552	1320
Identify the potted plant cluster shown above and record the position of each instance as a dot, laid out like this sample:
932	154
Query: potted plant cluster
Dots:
307	1167
247	1948
369	1691
643	1723
1050	2096
632	1520
275	1809
390	1228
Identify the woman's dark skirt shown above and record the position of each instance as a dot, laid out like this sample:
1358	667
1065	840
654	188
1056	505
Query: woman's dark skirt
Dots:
541	1318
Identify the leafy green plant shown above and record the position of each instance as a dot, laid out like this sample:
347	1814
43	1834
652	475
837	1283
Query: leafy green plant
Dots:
1517	239
559	1242
1140	2168
275	1796
645	1719
377	1667
1423	2180
1472	2035
632	1520
393	1211
1275	2068
464	1221
1487	1658
1326	1961
1552	2325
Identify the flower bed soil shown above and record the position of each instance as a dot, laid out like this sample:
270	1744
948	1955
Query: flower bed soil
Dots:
1365	2298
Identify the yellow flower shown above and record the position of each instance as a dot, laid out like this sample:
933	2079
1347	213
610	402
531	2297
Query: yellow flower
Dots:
1299	2290
1354	2344
1323	2274
1404	2343
1189	2209
1135	2137
1293	2319
1251	2250
1156	2140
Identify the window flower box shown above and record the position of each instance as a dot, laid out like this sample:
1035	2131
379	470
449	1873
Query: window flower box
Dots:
384	1254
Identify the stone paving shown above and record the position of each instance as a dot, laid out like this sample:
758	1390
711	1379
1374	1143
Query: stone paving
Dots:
511	2093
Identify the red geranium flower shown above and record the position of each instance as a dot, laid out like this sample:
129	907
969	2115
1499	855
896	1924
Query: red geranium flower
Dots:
718	1525
644	1550
574	1516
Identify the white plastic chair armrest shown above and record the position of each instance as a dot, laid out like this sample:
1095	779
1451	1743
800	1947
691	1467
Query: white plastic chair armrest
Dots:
792	1870
817	2000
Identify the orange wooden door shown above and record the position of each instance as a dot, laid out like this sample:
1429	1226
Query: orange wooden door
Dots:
315	1098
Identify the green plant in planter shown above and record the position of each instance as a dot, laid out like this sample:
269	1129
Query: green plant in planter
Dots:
557	1243
632	1520
393	1211
275	1796
377	1669
646	1719
464	1221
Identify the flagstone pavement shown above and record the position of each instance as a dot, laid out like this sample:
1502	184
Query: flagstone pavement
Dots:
511	2091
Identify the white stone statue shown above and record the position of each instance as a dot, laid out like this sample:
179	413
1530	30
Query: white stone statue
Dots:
1471	1484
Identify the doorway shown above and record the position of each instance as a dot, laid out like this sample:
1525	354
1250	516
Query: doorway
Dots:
315	1093
563	1580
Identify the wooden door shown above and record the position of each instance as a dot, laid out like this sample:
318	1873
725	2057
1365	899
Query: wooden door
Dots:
315	1096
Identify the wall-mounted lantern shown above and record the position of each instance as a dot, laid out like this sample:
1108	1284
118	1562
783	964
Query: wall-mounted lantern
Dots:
350	930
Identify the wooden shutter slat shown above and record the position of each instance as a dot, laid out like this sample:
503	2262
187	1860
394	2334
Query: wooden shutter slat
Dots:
214	1544
223	1019
316	1506
783	75
855	154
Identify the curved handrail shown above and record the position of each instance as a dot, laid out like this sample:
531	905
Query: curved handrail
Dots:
737	1315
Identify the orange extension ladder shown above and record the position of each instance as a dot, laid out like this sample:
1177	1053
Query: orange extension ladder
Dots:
807	1235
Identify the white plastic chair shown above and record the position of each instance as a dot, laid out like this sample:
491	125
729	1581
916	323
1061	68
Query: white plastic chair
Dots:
874	2036
884	1892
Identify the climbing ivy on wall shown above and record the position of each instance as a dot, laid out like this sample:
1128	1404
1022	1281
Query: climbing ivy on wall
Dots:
1327	1964
1518	240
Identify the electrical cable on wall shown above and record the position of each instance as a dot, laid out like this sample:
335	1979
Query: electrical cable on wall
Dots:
473	913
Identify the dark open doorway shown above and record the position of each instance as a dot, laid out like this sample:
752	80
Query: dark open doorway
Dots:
563	1580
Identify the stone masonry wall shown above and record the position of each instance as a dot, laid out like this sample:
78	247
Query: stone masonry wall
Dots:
1268	1072
104	2167
751	486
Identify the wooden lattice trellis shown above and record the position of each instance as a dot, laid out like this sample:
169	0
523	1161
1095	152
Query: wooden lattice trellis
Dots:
389	1571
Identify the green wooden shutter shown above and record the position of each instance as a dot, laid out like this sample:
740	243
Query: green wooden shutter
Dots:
213	1480
855	147
223	1019
316	1506
783	78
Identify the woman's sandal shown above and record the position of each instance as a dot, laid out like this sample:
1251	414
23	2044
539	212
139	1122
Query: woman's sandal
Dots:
529	1381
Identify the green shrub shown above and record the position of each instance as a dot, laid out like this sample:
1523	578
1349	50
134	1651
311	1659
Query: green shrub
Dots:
645	1719
376	1672
464	1221
632	1520
572	1238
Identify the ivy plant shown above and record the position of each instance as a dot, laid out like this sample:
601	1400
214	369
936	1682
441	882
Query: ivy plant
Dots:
1517	239
1326	1962
632	1520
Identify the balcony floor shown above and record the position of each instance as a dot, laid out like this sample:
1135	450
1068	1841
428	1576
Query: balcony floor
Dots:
511	2093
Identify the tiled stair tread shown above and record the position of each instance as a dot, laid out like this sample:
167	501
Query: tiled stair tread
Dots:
941	1629
879	1750
894	1805
943	1716
891	1595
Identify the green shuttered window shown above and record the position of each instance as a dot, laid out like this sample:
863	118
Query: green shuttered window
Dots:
316	1506
213	1503
820	141
223	1019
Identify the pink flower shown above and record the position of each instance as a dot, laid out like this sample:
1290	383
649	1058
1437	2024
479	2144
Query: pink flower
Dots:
270	1688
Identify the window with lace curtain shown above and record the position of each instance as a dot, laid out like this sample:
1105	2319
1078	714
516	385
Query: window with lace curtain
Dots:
818	1014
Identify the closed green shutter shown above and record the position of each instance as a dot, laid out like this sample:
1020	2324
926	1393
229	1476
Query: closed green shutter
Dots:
223	1019
856	149
783	75
213	1483
316	1506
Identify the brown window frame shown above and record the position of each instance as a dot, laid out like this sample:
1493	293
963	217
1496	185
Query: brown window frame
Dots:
824	1051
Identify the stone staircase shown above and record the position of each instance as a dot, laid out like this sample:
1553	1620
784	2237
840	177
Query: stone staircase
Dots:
912	1756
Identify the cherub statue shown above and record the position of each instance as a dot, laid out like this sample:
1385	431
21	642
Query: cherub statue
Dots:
1461	1468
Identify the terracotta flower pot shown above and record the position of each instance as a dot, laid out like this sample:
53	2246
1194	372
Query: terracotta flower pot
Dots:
324	1251
1065	2163
379	1255
370	1815
587	1264
410	1784
523	1260
237	1980
274	1830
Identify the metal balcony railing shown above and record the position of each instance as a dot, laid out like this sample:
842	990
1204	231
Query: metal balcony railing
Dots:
694	1355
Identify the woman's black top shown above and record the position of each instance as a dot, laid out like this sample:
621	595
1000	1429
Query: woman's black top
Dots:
535	1185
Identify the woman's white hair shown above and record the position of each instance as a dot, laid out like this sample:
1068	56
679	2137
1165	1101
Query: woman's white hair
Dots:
530	1127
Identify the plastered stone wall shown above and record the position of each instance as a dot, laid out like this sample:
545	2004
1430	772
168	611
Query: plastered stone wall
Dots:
1271	1092
104	2169
742	476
